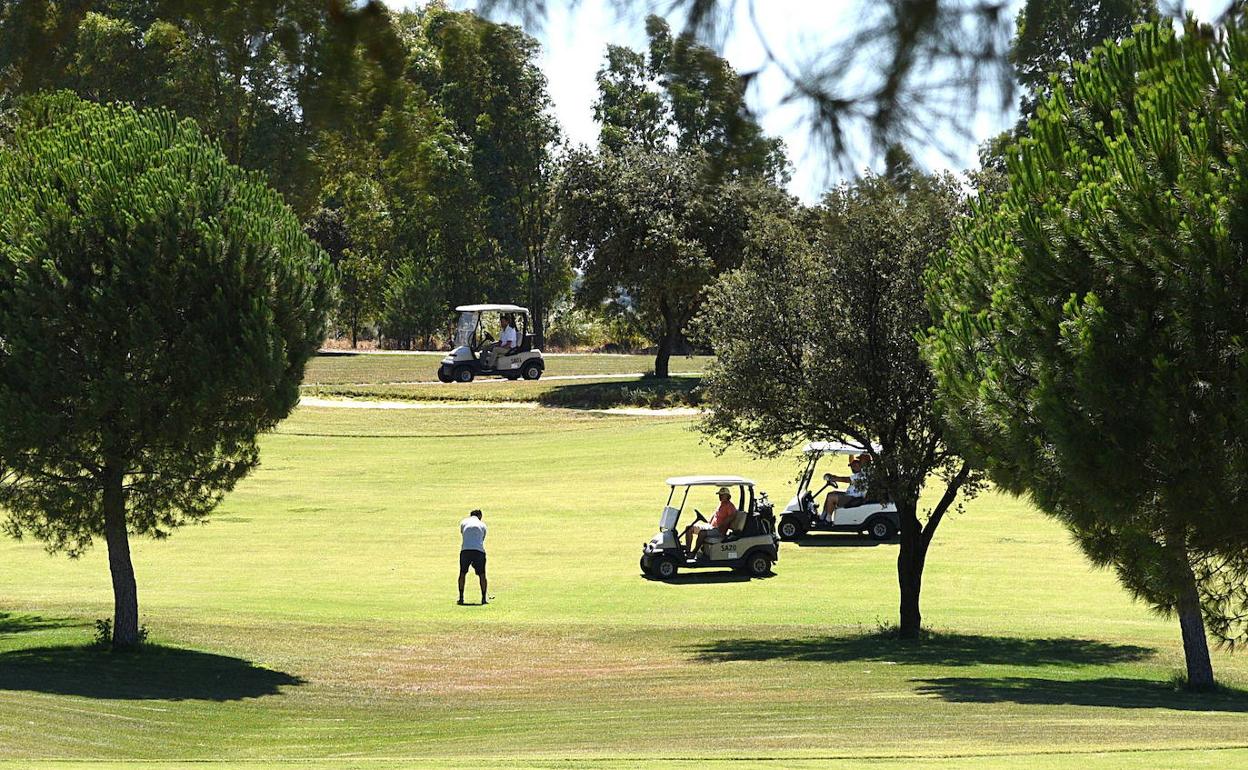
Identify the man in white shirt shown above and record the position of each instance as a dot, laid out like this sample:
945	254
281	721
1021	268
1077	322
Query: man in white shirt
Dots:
472	552
854	494
508	338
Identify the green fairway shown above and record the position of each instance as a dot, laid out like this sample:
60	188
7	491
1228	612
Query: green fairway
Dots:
388	368
313	620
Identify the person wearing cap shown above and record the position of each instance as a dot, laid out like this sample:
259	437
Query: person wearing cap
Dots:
714	530
854	494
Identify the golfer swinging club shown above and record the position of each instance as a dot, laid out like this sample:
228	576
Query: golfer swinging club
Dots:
472	553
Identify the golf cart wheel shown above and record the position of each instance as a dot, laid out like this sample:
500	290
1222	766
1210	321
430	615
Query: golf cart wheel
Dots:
880	528
758	564
644	569
790	528
463	374
444	374
665	568
531	371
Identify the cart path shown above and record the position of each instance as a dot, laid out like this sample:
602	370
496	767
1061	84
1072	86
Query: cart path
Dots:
359	403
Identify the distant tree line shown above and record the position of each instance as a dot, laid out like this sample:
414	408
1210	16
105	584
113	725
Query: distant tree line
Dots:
420	150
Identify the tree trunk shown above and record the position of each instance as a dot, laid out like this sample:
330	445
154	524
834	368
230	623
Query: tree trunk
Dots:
662	359
911	557
125	594
1192	626
539	324
664	355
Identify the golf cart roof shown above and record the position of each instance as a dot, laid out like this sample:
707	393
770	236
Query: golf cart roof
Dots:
492	308
708	481
835	448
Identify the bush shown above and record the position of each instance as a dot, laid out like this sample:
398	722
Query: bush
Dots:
570	328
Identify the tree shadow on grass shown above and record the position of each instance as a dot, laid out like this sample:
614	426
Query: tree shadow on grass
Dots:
647	392
935	650
838	541
1110	691
154	673
20	624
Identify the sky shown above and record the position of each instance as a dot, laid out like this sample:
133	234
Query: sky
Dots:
574	41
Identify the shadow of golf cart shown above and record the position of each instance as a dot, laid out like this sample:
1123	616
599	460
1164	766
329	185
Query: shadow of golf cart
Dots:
751	547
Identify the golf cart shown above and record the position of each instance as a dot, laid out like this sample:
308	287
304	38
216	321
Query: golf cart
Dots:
878	519
473	354
751	547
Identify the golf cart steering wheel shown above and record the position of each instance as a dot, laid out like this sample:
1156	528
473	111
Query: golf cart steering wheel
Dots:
827	477
699	516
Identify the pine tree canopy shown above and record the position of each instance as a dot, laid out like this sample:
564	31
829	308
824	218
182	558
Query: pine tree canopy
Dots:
1092	319
157	308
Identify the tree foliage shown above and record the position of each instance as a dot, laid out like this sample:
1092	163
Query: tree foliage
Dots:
661	208
680	94
263	77
1051	36
456	172
650	229
157	307
815	339
486	81
1092	318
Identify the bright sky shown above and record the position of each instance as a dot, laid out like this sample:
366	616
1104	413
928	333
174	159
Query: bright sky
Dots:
574	41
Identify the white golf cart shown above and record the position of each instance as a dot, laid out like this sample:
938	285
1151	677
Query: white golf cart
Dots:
474	356
750	547
878	519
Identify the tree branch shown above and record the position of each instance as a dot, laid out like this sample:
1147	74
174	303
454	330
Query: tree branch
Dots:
946	500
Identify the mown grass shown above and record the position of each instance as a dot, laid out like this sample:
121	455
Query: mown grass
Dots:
380	369
313	621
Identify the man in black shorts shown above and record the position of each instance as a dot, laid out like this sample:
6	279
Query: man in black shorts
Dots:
472	552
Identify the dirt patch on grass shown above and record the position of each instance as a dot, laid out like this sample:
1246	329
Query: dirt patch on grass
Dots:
504	662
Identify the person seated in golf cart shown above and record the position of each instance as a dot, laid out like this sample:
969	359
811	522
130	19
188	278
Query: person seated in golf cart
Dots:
715	530
854	494
508	338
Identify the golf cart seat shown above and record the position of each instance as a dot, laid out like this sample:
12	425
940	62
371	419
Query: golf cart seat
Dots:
667	521
526	345
745	525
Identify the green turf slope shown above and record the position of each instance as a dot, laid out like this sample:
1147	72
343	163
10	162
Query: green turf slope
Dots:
313	619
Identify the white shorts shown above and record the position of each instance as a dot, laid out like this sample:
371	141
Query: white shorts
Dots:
710	534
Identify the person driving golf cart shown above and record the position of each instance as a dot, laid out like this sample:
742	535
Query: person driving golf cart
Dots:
715	530
508	338
477	354
752	548
857	510
855	494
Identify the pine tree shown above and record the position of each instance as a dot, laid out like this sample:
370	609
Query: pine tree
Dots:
1092	319
157	308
